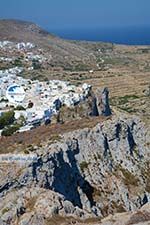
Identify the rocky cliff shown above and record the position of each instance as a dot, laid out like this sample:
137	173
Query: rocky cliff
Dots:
87	173
96	104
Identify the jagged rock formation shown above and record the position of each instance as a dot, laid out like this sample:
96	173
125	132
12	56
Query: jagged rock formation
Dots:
91	103
88	173
95	105
99	103
102	97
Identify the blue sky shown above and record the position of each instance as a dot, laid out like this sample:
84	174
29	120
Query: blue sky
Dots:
60	14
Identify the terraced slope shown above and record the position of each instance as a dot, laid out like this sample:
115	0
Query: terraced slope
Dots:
125	70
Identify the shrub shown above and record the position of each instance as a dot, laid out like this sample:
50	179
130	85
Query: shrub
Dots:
8	131
4	100
83	166
125	99
6	119
17	62
5	210
19	107
36	65
30	104
129	178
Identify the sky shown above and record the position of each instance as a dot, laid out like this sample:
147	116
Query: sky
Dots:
62	14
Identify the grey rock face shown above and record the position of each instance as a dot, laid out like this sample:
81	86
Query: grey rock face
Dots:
94	105
92	102
97	103
68	207
102	97
91	172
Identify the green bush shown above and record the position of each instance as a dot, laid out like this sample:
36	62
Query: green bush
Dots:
125	99
19	107
4	100
36	65
7	118
17	62
129	178
8	131
83	165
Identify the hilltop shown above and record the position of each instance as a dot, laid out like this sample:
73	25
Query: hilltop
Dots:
19	30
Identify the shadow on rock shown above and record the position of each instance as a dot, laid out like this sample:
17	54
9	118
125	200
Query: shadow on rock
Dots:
68	179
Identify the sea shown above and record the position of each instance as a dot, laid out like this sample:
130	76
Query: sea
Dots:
123	35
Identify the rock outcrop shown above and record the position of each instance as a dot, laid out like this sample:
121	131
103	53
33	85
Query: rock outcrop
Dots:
102	97
89	173
96	104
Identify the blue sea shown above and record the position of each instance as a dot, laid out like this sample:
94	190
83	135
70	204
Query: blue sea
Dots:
126	35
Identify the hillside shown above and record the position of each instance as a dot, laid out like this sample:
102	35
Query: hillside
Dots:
18	30
64	53
89	165
123	69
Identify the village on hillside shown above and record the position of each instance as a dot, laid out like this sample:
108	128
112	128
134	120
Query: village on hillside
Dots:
32	101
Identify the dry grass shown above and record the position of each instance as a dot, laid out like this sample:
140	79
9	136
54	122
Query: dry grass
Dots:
30	204
139	217
58	220
45	133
